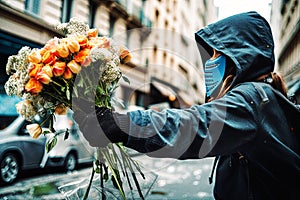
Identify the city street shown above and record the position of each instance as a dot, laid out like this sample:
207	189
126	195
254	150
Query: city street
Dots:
176	180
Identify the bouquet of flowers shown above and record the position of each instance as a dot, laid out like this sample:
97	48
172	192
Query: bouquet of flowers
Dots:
47	78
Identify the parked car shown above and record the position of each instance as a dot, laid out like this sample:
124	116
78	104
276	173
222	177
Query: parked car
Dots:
19	151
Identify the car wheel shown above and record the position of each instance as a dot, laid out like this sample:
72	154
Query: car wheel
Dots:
70	162
10	168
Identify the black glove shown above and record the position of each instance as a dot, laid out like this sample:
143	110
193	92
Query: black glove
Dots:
99	126
110	123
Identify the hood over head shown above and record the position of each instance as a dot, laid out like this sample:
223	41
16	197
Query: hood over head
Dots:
246	39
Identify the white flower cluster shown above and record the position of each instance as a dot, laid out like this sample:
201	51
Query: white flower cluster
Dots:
111	72
74	27
109	68
17	66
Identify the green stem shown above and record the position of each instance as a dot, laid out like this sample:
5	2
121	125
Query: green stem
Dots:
86	194
56	83
111	167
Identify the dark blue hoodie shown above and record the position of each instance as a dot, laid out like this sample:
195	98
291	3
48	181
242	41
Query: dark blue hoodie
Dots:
252	128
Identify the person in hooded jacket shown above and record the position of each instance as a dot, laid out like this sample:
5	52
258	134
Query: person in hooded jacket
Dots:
247	122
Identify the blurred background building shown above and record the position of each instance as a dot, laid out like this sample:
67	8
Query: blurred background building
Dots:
166	69
285	20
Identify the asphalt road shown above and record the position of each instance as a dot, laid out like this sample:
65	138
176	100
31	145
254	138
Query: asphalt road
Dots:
165	179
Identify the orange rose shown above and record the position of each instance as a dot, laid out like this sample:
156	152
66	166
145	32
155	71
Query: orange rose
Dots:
33	86
73	45
101	42
58	68
68	73
125	55
80	57
43	77
47	69
62	50
34	69
48	57
92	32
74	66
51	44
35	57
34	130
61	109
83	41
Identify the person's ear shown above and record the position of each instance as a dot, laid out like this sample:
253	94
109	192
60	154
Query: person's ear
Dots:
216	54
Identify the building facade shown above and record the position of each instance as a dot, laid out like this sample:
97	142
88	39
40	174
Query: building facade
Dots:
285	19
166	65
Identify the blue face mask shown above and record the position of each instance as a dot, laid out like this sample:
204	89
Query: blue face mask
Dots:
214	71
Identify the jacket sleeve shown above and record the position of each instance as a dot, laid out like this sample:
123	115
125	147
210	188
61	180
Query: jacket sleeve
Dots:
220	127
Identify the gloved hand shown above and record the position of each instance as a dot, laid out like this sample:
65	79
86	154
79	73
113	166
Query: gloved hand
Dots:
98	125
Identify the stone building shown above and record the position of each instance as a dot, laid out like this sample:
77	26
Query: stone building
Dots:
166	68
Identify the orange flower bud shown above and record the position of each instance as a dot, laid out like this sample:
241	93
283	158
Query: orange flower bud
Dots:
61	109
35	57
68	73
100	42
125	55
34	69
74	66
80	57
62	50
92	32
48	57
33	86
58	68
34	130
73	45
87	61
43	77
83	41
51	44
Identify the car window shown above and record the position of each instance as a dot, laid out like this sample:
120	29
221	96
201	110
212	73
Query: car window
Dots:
8	112
5	121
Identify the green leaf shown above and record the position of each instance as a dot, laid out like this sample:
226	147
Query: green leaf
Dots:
96	166
67	133
50	144
68	94
100	90
51	125
80	83
126	79
46	132
75	91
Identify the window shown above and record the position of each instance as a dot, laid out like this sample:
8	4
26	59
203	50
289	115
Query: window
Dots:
66	10
33	6
112	21
93	8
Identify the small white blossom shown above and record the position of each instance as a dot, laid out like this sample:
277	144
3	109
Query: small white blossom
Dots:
26	109
111	73
74	27
98	54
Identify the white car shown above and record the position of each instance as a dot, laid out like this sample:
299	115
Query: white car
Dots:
19	151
